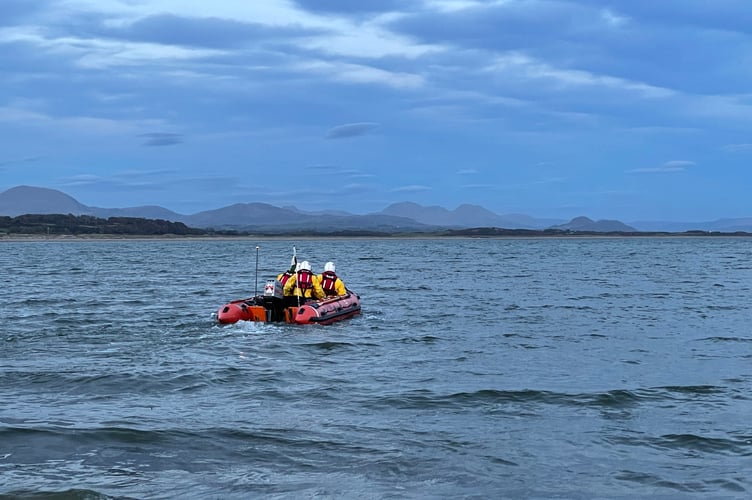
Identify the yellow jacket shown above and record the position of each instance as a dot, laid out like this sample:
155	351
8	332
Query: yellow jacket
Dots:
291	287
280	277
336	288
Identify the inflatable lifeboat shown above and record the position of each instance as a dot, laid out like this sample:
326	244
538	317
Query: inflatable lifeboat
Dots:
272	306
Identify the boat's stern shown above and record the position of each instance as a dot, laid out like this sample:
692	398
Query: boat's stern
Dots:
240	311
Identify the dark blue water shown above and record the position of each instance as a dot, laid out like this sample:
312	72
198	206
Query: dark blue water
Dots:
480	368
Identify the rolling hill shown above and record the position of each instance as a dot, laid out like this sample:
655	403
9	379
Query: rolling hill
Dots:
398	217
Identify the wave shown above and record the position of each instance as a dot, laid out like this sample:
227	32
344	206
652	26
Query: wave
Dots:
740	446
329	345
727	339
103	385
618	398
71	494
654	481
271	443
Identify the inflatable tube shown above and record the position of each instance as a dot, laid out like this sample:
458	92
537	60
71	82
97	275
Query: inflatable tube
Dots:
328	311
240	310
273	309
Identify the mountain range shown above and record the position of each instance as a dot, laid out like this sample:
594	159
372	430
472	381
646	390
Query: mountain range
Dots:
398	217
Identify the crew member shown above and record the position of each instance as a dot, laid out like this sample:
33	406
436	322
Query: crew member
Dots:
330	283
304	284
283	277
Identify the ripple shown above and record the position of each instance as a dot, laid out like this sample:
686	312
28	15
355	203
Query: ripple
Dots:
598	368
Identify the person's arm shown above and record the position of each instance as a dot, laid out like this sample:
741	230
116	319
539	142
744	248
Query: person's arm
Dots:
339	287
287	290
318	290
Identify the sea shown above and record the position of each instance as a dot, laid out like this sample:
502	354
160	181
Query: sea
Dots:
534	368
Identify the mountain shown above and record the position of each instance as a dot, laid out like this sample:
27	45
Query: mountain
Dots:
464	216
146	212
242	214
262	215
398	217
601	226
318	212
22	200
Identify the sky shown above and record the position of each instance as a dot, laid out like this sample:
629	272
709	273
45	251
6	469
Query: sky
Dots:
611	109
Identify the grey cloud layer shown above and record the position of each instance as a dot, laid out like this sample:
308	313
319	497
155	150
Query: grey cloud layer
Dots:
161	139
195	32
351	130
479	86
359	6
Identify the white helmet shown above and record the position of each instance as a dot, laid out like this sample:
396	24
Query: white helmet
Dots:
305	266
329	266
297	266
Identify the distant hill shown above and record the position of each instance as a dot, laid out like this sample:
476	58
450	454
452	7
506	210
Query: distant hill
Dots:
147	212
601	226
22	200
398	217
242	214
34	200
464	216
264	216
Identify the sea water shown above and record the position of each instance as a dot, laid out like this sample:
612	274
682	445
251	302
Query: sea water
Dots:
479	368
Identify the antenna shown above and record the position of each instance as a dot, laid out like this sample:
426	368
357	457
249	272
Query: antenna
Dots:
257	257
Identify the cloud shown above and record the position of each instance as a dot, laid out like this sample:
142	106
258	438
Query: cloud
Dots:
672	166
355	187
523	67
613	19
161	139
15	11
20	161
26	115
505	25
735	16
137	174
83	180
415	188
459	83
355	174
738	148
210	32
356	7
351	130
339	172
359	74
324	168
591	42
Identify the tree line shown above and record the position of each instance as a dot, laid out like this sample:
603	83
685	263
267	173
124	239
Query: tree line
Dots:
60	224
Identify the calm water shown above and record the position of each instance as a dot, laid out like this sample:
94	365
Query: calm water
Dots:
494	368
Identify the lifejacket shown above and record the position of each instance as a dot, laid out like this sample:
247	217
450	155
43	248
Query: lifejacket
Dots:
284	277
328	280
304	280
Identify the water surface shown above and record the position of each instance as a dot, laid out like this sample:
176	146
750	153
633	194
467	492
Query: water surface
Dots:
480	368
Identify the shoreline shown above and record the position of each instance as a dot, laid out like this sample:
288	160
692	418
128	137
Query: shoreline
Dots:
36	238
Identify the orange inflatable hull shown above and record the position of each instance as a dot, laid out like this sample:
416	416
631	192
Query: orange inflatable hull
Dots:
328	311
270	309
